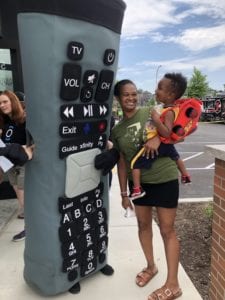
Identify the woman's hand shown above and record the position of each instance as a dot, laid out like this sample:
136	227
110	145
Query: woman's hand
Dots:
126	202
151	147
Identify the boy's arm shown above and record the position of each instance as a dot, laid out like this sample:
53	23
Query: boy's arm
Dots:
164	129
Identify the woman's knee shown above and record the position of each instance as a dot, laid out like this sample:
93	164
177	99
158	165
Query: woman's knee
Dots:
144	226
167	232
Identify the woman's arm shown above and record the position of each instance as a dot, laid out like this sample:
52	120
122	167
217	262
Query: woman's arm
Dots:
122	175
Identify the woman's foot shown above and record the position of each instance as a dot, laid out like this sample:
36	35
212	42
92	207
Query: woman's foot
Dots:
145	276
165	293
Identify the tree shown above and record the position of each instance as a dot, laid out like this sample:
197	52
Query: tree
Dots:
197	86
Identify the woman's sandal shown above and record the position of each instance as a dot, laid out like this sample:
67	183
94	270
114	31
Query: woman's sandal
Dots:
145	276
165	293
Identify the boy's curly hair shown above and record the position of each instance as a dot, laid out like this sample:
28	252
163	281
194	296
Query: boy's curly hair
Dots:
179	83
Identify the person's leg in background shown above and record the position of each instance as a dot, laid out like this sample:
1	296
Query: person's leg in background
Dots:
20	197
16	179
110	179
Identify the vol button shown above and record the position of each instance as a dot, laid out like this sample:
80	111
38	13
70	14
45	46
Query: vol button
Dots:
70	83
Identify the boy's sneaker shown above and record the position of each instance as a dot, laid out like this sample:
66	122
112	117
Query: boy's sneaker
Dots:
186	179
19	237
137	193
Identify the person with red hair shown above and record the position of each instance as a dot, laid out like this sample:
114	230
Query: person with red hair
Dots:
13	130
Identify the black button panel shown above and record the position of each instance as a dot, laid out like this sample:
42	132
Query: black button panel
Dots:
83	232
84	114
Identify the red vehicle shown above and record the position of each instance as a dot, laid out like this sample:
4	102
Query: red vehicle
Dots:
213	108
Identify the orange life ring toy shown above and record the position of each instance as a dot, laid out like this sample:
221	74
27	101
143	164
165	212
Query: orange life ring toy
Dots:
187	113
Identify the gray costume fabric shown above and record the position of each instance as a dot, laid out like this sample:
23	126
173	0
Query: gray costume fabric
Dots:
64	48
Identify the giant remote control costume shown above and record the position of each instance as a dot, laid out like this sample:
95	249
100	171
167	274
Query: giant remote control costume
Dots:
69	52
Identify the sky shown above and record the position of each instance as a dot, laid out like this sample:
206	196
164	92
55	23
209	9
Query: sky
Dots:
160	36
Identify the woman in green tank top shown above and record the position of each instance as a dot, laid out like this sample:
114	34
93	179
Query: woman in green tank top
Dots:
160	184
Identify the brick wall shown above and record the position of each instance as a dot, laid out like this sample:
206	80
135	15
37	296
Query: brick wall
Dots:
217	286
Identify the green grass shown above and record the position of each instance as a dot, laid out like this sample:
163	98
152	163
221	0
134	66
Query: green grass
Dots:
208	210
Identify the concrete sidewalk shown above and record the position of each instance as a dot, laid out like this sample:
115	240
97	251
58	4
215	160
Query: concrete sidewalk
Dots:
125	256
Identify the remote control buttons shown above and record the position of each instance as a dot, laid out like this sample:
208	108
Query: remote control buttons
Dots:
67	147
104	85
70	249
86	94
78	129
109	57
75	50
83	229
83	111
90	77
71	266
83	232
70	84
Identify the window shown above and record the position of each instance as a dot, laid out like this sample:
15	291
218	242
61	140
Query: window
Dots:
6	81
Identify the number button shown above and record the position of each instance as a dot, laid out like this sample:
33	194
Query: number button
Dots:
101	216
68	232
70	264
70	249
102	230
88	239
102	245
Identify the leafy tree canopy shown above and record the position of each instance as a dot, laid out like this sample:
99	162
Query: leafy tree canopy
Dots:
197	86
